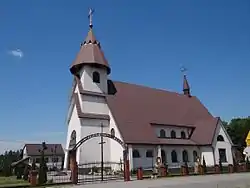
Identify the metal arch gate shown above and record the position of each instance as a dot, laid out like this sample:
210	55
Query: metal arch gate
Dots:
102	171
93	172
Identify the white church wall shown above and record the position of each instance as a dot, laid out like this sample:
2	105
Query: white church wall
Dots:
143	161
208	154
94	104
226	144
148	162
74	124
115	148
179	150
90	151
89	85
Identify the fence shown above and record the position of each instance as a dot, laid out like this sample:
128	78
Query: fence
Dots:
94	172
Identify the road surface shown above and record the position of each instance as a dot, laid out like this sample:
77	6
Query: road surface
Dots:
240	180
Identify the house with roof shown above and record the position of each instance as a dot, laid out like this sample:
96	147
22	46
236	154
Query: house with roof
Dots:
54	154
153	123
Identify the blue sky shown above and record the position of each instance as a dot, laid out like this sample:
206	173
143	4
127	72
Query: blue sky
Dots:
145	43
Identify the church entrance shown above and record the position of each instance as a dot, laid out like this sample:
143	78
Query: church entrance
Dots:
100	171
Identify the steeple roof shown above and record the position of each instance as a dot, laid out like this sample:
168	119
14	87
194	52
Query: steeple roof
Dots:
186	88
90	54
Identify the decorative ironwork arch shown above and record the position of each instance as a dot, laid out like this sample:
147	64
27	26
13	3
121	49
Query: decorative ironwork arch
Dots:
86	138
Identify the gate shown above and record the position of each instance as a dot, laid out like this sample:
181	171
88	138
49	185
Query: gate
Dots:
98	172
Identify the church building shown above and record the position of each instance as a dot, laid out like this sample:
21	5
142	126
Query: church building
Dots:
153	123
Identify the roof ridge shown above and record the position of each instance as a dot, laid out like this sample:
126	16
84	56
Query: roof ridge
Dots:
149	87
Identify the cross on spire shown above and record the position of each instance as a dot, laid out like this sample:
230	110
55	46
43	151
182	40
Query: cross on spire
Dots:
183	70
90	16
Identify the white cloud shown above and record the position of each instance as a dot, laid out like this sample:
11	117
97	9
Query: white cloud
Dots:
16	53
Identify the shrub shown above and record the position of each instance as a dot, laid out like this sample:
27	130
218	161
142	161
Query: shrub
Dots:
204	165
248	164
26	173
220	165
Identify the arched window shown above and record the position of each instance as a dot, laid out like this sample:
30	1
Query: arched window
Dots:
149	153
220	138
96	77
173	134
162	133
183	134
195	155
112	132
174	156
136	153
185	156
72	139
163	156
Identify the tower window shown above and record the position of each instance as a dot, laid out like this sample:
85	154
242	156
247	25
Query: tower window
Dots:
96	77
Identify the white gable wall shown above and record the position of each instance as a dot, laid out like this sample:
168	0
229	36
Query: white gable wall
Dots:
74	124
226	144
115	148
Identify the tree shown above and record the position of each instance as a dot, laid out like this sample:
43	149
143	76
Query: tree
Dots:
26	173
238	129
6	160
248	164
42	179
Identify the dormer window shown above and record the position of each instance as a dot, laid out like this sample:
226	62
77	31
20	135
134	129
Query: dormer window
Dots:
183	135
96	77
173	134
162	133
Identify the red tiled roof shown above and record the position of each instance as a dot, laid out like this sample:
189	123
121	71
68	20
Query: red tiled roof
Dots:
135	108
90	53
33	149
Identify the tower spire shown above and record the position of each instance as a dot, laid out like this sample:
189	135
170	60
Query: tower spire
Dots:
186	87
90	52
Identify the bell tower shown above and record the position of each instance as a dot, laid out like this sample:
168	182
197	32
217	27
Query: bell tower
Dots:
90	64
88	111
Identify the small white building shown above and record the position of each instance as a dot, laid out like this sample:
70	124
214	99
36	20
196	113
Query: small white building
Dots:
54	154
153	123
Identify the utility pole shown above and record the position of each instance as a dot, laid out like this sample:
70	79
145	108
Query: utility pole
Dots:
102	142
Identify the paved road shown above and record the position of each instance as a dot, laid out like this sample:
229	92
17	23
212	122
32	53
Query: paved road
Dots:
212	181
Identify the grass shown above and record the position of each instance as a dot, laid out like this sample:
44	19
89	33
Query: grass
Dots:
12	181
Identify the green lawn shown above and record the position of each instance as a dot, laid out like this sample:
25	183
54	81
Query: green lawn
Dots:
9	181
